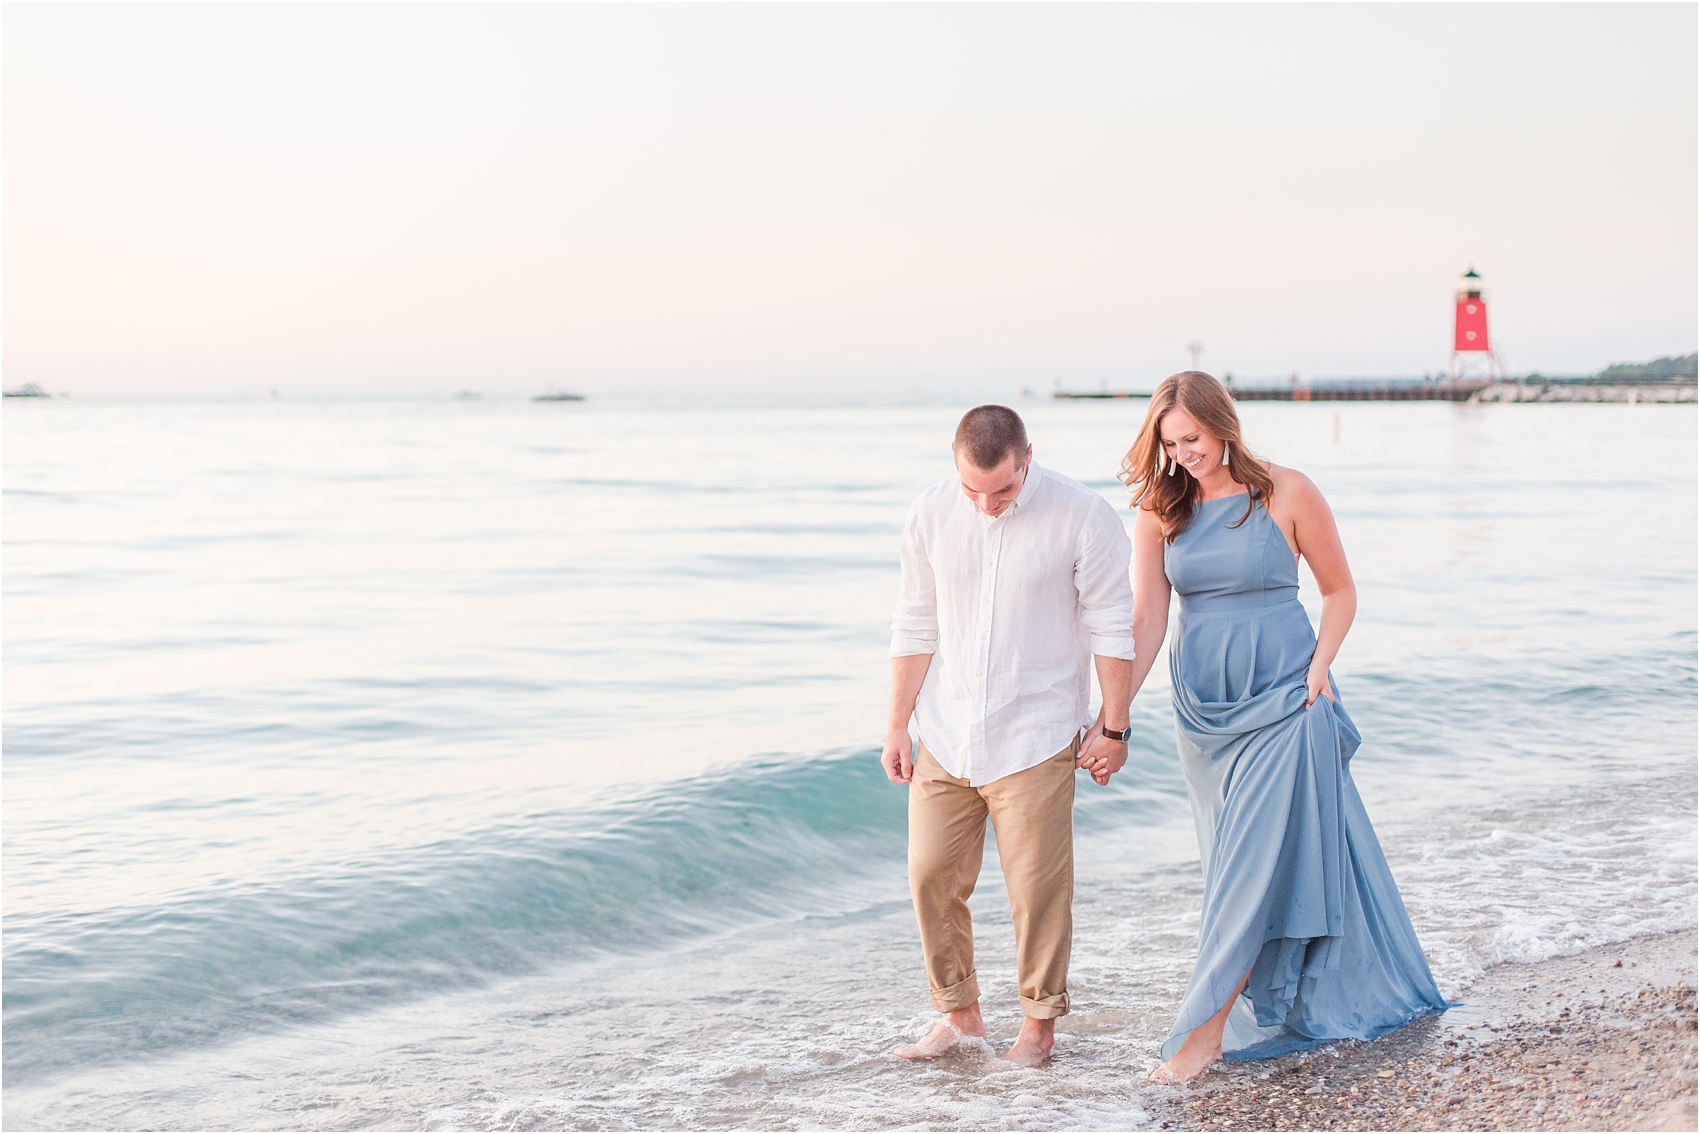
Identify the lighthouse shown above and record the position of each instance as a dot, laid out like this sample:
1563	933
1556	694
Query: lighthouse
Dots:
1473	356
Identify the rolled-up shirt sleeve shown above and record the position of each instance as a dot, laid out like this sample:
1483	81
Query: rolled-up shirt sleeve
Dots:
1101	577
915	624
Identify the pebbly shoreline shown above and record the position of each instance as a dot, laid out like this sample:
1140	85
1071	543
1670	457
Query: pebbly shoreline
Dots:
1604	1040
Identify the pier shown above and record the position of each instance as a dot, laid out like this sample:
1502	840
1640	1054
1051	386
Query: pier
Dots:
1361	391
1663	380
1351	390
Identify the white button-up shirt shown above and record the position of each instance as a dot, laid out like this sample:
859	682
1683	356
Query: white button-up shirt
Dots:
1012	609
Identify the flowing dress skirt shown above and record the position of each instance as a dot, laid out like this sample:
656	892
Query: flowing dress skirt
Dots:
1297	890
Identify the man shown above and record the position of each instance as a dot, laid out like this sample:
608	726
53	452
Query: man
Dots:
1013	576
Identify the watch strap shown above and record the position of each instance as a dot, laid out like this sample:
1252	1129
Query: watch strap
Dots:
1124	735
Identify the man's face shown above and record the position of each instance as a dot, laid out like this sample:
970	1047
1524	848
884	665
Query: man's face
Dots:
993	490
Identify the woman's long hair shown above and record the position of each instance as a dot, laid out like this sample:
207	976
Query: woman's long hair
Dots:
1173	493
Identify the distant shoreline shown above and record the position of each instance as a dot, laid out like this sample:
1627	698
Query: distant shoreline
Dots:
1683	392
1589	392
1672	379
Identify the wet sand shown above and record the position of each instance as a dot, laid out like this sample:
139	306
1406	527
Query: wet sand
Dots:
1604	1040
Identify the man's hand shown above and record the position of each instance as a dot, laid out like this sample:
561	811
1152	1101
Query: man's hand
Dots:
1101	756
898	759
907	674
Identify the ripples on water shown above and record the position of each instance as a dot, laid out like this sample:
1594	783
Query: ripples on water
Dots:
507	764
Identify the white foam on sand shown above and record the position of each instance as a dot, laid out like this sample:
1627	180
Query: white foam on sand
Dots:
1550	876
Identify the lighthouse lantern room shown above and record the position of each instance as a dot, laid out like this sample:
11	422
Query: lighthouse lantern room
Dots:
1473	356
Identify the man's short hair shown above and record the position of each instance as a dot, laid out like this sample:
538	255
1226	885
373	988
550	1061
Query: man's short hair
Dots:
987	434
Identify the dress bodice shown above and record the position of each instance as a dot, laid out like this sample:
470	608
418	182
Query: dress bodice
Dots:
1242	635
1221	563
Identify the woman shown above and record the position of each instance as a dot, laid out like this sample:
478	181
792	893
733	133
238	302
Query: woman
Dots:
1303	937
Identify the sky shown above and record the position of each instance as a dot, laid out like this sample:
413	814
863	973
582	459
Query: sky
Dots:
398	199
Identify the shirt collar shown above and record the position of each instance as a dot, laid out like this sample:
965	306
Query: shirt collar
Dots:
1028	487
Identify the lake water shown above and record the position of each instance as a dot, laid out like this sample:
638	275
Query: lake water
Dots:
498	764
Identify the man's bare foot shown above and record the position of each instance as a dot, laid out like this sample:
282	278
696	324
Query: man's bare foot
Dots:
940	1040
950	1032
1033	1046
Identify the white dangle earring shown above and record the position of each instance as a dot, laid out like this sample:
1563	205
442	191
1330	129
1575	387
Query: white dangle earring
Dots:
1173	464
1224	454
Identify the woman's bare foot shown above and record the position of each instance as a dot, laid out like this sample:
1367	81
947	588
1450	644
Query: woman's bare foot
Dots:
1188	1063
950	1032
1202	1047
1033	1046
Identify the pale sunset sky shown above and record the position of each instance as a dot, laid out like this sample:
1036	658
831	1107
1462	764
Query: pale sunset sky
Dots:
399	199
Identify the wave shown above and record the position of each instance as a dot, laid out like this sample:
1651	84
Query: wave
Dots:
702	854
776	838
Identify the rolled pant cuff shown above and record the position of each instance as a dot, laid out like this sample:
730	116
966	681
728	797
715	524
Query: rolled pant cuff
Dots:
963	994
1047	1009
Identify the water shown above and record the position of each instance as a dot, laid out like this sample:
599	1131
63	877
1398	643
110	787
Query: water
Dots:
498	765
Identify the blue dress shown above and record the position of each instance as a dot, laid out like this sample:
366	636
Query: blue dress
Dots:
1296	889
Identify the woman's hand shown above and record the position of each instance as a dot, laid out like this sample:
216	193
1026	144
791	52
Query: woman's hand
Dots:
1316	685
1101	757
1304	517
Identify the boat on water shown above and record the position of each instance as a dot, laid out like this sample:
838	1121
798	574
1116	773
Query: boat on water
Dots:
559	396
27	390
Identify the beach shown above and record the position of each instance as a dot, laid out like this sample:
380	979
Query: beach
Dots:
493	765
455	461
1603	1040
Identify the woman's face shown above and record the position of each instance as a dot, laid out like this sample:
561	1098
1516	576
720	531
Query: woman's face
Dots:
1185	441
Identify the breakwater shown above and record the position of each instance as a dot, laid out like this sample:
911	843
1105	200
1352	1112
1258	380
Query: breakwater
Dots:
1361	392
1545	391
1587	392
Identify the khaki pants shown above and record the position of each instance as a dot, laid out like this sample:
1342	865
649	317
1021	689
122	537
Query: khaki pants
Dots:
1033	814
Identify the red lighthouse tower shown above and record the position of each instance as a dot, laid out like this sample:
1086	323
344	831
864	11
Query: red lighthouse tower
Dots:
1473	356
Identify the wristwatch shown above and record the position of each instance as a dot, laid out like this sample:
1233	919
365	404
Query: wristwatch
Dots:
1124	735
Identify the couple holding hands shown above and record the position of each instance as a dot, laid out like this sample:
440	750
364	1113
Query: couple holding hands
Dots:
1014	577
